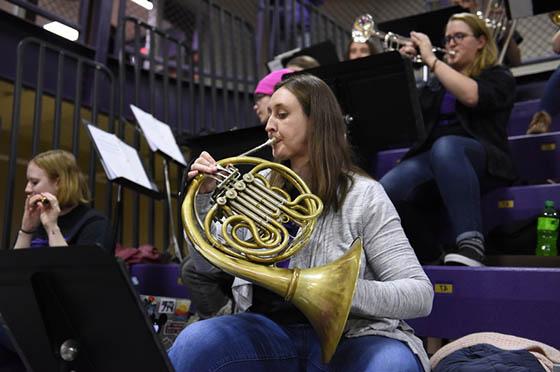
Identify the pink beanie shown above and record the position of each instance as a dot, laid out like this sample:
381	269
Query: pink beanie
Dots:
267	83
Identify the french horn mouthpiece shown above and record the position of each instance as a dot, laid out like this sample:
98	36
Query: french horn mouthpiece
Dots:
269	142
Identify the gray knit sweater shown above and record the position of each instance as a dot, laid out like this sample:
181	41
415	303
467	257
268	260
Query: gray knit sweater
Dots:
392	285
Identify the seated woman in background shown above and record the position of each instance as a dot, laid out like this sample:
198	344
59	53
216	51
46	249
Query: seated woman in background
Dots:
550	101
357	50
56	211
271	334
302	62
466	106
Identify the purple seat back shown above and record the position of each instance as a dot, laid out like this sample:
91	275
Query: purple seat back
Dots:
161	280
516	203
536	156
384	161
522	302
521	116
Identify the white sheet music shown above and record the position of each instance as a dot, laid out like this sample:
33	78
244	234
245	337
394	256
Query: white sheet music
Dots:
158	135
118	158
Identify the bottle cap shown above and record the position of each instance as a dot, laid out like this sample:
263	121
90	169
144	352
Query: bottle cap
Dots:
549	203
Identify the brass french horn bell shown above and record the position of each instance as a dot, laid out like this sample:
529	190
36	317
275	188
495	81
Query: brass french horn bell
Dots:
249	203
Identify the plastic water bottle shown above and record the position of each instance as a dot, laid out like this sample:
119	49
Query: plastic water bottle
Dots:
547	231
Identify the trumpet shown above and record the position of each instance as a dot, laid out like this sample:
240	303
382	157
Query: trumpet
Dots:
364	28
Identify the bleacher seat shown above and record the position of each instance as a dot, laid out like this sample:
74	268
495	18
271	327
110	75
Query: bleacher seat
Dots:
386	160
536	156
522	302
521	116
159	280
536	159
509	204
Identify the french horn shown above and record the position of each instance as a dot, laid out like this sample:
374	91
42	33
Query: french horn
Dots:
248	203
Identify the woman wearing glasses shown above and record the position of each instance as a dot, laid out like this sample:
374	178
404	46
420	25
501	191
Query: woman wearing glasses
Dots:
466	106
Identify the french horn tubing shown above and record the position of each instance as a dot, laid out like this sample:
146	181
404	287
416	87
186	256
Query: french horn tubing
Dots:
247	202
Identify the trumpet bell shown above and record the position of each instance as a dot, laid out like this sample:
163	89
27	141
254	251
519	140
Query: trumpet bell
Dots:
555	17
363	28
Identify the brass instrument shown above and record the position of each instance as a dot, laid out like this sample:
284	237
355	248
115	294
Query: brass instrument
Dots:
248	202
43	201
363	29
500	26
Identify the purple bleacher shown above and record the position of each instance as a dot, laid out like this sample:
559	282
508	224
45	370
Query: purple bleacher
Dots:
536	156
386	160
516	203
522	302
521	116
161	280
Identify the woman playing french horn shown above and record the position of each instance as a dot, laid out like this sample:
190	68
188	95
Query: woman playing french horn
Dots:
270	334
466	107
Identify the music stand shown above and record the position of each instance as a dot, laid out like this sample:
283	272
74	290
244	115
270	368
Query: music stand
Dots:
77	296
227	144
379	95
430	23
324	52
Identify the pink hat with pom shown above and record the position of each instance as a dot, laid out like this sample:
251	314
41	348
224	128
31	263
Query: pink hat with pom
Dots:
267	83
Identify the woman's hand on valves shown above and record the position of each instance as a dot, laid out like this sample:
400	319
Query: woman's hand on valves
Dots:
204	164
422	41
408	50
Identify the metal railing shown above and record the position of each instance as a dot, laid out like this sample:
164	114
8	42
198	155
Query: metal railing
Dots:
284	25
51	72
80	26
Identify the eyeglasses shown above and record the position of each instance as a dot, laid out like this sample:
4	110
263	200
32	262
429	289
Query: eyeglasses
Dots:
457	38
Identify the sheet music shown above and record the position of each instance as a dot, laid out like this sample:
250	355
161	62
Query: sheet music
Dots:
118	158
158	135
144	119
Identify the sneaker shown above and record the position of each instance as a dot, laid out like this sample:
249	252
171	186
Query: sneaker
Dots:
540	123
465	257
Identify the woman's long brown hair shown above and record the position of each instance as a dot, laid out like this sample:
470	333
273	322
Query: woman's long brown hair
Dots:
330	155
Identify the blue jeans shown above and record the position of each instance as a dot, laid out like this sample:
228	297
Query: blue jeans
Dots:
252	342
550	101
449	174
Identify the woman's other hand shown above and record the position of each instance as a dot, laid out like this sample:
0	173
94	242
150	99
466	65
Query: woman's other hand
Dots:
49	209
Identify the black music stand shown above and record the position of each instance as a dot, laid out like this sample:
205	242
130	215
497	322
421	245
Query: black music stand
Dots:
379	95
75	296
324	52
430	23
227	144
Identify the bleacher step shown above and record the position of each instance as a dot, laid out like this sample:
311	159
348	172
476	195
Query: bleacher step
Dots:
522	302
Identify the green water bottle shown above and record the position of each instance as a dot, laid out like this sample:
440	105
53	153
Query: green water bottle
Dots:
547	231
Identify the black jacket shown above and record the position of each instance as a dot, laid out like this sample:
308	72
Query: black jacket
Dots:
487	122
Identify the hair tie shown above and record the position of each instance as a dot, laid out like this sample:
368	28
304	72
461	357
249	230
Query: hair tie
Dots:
433	66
